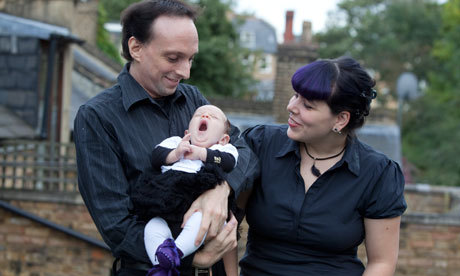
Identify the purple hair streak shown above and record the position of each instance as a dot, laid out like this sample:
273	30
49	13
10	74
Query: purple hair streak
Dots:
314	81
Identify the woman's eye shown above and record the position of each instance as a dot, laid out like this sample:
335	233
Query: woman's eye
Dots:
307	106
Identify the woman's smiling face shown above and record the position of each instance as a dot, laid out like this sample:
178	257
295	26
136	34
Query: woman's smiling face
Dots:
309	121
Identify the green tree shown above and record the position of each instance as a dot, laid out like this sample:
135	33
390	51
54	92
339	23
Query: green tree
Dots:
389	36
103	41
432	124
115	7
218	69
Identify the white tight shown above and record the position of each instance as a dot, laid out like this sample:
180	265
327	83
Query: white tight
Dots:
157	231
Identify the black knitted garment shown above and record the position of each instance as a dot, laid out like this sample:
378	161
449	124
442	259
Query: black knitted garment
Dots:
169	195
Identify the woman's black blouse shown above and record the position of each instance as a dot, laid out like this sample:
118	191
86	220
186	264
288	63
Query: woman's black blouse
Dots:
315	233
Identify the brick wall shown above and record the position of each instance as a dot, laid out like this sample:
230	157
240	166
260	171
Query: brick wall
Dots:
56	12
429	243
67	213
429	249
430	232
30	248
80	17
290	58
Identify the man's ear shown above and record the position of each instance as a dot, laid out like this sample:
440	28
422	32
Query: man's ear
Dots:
225	139
342	120
135	48
186	132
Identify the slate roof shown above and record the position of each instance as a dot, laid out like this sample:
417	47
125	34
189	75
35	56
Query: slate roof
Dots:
265	34
11	126
23	27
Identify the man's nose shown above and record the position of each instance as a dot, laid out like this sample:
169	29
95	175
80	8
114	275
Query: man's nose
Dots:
205	116
183	69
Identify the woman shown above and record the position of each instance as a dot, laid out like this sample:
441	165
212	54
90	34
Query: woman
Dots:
321	191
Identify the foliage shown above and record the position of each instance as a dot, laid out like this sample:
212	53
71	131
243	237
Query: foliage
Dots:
103	41
218	69
447	51
432	125
389	36
115	7
421	36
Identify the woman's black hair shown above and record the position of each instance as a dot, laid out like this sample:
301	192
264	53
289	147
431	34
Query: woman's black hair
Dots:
342	83
137	19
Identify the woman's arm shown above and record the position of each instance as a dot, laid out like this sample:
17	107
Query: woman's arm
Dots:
231	262
382	245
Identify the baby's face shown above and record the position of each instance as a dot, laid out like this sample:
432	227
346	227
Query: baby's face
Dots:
207	126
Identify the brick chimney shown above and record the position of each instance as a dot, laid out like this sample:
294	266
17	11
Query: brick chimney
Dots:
288	35
306	37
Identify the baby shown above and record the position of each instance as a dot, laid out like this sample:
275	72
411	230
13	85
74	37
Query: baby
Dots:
189	166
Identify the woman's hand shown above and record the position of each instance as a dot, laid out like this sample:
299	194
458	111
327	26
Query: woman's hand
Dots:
215	248
213	205
382	245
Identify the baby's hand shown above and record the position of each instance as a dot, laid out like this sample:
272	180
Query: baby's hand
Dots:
196	153
181	150
184	146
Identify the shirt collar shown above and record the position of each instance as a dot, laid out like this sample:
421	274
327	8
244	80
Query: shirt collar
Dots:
288	147
351	155
133	92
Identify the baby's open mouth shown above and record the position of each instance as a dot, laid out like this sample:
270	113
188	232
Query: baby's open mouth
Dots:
203	126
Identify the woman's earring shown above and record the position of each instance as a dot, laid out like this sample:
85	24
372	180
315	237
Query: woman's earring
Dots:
336	130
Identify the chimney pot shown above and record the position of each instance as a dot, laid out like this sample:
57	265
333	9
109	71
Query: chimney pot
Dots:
288	35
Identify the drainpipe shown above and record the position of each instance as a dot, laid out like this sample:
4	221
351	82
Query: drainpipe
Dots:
48	85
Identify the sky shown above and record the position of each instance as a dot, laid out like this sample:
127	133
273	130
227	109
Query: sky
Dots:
274	12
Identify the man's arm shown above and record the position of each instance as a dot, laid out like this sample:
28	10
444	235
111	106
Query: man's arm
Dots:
104	186
217	247
213	203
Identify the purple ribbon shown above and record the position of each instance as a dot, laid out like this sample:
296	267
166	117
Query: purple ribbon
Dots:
168	256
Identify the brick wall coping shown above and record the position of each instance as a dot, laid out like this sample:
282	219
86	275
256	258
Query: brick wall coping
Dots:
52	225
431	219
452	217
427	188
42	196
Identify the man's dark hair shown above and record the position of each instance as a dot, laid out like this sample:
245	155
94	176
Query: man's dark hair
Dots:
137	19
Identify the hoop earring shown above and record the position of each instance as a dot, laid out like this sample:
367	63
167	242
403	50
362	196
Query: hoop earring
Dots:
336	130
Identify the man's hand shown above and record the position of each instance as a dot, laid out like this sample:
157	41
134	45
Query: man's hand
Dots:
213	205
215	248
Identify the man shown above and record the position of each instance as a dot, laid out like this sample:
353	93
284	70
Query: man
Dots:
116	131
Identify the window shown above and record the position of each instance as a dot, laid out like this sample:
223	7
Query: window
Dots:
265	64
248	39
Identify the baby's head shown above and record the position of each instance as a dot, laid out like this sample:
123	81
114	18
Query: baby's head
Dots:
208	126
